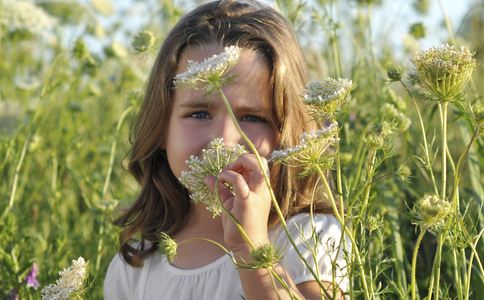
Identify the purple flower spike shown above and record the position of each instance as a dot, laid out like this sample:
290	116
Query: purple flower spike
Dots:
31	278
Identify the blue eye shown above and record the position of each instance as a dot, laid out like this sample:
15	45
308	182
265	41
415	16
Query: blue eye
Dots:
200	115
253	118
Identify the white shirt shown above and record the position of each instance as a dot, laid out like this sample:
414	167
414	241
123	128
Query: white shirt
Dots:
158	279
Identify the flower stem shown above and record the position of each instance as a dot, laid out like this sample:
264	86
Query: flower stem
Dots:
268	183
414	262
426	147
443	112
435	281
366	289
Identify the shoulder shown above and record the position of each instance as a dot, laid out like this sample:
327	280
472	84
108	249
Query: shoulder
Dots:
320	241
304	227
122	279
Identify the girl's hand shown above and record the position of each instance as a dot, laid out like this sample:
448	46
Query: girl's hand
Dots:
249	202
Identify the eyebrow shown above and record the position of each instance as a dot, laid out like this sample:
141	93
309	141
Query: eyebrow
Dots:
204	104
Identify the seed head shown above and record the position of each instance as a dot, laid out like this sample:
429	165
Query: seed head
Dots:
325	98
70	282
404	173
264	257
209	73
444	72
213	159
143	41
313	151
392	114
168	246
431	211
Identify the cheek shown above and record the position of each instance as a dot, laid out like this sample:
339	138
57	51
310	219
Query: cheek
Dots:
264	140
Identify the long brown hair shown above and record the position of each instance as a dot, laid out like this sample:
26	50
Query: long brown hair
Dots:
163	203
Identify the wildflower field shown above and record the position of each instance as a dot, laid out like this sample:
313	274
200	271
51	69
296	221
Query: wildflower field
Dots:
406	154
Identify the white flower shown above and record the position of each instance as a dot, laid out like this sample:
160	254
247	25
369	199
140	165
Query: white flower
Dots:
327	96
444	71
24	15
312	152
210	72
71	281
213	159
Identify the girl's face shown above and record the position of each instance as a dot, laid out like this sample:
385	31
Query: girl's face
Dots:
196	118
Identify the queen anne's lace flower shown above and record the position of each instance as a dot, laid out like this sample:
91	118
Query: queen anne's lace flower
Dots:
326	97
213	159
431	211
70	282
443	72
313	151
25	16
209	73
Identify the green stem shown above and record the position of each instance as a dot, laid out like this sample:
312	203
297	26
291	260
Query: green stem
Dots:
426	147
448	24
414	262
339	184
247	239
268	184
436	269
469	267
443	112
370	172
113	151
457	277
13	190
366	289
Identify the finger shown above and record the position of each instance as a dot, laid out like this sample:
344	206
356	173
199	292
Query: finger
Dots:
210	182
239	185
248	163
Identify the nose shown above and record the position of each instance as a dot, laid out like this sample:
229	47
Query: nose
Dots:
227	130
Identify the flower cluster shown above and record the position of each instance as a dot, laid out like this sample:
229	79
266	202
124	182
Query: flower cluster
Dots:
213	159
378	138
443	72
391	113
168	246
209	73
326	97
431	211
313	151
70	282
24	16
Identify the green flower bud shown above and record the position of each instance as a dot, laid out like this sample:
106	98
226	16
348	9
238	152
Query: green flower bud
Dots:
265	256
80	50
404	173
417	30
394	73
143	41
168	246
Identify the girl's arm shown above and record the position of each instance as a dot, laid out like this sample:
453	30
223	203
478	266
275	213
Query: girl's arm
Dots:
249	202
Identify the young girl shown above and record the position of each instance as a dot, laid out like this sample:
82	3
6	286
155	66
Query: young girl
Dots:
175	123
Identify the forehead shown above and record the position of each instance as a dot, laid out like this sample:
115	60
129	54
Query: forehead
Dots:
252	75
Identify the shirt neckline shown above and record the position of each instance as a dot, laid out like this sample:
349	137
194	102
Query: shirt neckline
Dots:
179	271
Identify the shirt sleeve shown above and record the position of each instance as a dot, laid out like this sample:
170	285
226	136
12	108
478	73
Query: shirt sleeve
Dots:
322	236
118	283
